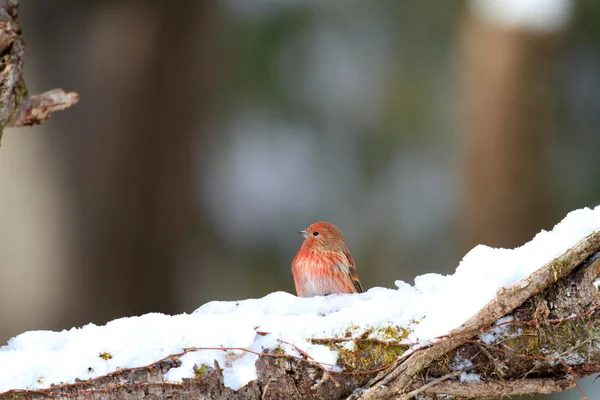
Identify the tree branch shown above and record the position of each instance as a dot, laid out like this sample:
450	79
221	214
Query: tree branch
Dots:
547	343
397	381
35	109
17	107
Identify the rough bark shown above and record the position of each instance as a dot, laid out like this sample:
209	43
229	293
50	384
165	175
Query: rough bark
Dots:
541	301
548	343
17	107
278	378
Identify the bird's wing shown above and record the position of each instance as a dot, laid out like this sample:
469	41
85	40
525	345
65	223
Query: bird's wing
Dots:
351	271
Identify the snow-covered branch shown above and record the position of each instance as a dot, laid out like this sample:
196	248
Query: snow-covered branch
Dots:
17	107
508	322
528	343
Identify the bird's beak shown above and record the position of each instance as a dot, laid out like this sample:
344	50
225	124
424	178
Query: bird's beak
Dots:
303	233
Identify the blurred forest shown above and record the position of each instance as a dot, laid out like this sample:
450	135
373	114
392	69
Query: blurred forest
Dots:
208	133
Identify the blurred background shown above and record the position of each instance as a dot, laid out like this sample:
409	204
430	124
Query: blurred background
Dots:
208	133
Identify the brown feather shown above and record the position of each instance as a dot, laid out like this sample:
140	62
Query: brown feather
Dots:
352	272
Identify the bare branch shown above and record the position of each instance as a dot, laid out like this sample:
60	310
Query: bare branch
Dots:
34	110
17	107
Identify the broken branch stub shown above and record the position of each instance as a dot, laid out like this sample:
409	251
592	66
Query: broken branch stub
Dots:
17	107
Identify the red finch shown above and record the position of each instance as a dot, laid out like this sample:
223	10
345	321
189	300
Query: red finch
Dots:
324	265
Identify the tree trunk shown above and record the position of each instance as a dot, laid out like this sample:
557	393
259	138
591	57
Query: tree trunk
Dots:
505	77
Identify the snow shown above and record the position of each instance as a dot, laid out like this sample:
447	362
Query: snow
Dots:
460	364
466	377
496	334
597	283
433	306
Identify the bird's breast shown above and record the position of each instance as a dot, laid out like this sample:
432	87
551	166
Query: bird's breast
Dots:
320	274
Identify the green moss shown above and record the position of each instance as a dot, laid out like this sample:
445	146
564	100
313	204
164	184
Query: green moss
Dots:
277	350
527	342
200	371
367	355
396	333
569	337
21	90
279	361
105	356
371	348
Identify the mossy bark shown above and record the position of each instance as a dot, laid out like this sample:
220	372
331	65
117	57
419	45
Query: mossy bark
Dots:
549	344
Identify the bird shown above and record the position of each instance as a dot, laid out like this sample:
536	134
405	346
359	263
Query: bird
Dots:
323	265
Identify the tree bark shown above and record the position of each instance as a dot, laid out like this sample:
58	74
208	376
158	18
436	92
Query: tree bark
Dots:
517	362
17	107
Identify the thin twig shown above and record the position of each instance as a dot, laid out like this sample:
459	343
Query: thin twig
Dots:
326	374
429	384
532	357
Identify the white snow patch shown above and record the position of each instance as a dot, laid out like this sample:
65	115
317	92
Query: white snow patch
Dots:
460	363
597	283
466	377
432	307
496	334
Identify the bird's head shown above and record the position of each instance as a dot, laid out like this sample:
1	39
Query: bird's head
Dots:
323	236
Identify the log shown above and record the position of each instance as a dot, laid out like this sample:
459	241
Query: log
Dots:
536	336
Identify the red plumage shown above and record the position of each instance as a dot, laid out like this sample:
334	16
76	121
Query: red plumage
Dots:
323	264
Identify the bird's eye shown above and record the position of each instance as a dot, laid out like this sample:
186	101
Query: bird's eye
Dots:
315	233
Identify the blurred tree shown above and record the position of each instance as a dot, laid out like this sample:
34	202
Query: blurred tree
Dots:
507	90
151	69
